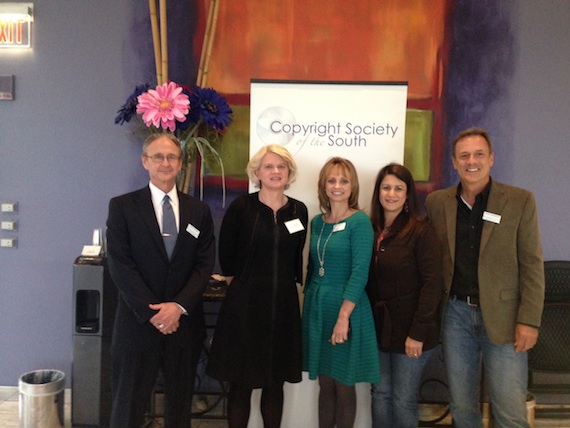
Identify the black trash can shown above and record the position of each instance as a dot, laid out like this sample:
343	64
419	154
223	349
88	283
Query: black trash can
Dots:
41	399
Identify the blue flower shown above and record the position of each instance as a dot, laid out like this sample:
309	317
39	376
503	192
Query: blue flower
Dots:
209	106
129	109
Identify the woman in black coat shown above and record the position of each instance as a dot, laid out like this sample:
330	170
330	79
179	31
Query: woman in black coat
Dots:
257	342
405	287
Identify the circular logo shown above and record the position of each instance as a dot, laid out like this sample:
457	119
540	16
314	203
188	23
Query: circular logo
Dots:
274	126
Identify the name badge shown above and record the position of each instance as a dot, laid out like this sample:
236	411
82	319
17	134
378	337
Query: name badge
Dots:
91	250
192	231
493	218
339	226
294	226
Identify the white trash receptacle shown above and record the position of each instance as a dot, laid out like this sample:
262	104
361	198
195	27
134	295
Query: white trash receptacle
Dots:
41	399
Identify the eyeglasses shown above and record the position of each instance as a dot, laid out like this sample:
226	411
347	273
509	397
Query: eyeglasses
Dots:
159	158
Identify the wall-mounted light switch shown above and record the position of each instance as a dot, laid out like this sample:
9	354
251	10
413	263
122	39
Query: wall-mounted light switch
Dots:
9	225
9	207
8	242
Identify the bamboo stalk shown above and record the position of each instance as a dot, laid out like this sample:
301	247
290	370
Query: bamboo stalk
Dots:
155	40
164	40
209	41
204	43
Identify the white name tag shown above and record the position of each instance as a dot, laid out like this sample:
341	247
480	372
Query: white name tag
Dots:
294	226
493	218
192	231
91	250
339	226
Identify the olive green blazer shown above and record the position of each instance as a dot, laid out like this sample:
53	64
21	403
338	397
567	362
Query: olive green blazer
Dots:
511	266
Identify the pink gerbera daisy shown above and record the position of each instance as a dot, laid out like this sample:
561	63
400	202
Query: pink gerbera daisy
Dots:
164	106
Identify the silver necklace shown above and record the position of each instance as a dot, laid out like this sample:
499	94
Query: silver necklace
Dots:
321	257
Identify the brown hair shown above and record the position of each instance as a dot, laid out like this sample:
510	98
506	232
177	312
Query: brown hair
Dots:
471	132
412	213
348	168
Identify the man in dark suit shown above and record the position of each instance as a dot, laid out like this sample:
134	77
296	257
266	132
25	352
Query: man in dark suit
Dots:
159	324
494	284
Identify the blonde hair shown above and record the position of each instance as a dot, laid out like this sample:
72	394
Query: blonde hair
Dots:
348	168
255	163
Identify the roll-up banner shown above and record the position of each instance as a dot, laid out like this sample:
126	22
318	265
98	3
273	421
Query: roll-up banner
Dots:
361	121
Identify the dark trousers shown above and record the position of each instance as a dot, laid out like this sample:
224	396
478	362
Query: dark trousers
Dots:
135	371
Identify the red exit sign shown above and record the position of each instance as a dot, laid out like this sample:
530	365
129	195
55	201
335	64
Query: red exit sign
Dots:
15	25
14	33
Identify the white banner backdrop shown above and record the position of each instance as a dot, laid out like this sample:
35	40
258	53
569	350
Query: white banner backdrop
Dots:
361	121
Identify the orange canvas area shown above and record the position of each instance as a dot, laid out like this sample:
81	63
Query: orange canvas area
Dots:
363	40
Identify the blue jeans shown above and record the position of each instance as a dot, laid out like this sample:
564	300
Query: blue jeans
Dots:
465	341
395	397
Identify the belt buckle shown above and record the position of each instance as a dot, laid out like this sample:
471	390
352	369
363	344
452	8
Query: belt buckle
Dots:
468	300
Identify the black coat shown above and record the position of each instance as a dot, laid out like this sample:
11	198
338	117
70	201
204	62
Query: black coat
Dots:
258	335
405	287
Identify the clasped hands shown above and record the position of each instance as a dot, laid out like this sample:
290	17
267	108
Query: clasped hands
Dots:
167	319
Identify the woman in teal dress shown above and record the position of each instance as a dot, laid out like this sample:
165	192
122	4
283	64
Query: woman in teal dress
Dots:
339	339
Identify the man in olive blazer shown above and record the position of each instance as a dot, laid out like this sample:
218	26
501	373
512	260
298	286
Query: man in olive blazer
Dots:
159	324
494	283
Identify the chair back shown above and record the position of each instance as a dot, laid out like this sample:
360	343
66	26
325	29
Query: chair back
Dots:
552	351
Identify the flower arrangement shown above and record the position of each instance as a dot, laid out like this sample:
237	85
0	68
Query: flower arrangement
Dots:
197	116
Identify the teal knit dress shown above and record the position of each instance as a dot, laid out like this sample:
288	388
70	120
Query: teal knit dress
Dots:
346	264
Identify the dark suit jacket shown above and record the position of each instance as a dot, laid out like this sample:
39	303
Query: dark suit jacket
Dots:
511	269
143	274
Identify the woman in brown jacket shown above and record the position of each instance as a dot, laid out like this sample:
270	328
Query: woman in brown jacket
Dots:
404	287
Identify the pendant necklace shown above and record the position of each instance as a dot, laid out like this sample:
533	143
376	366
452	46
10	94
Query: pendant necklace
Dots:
321	257
381	237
